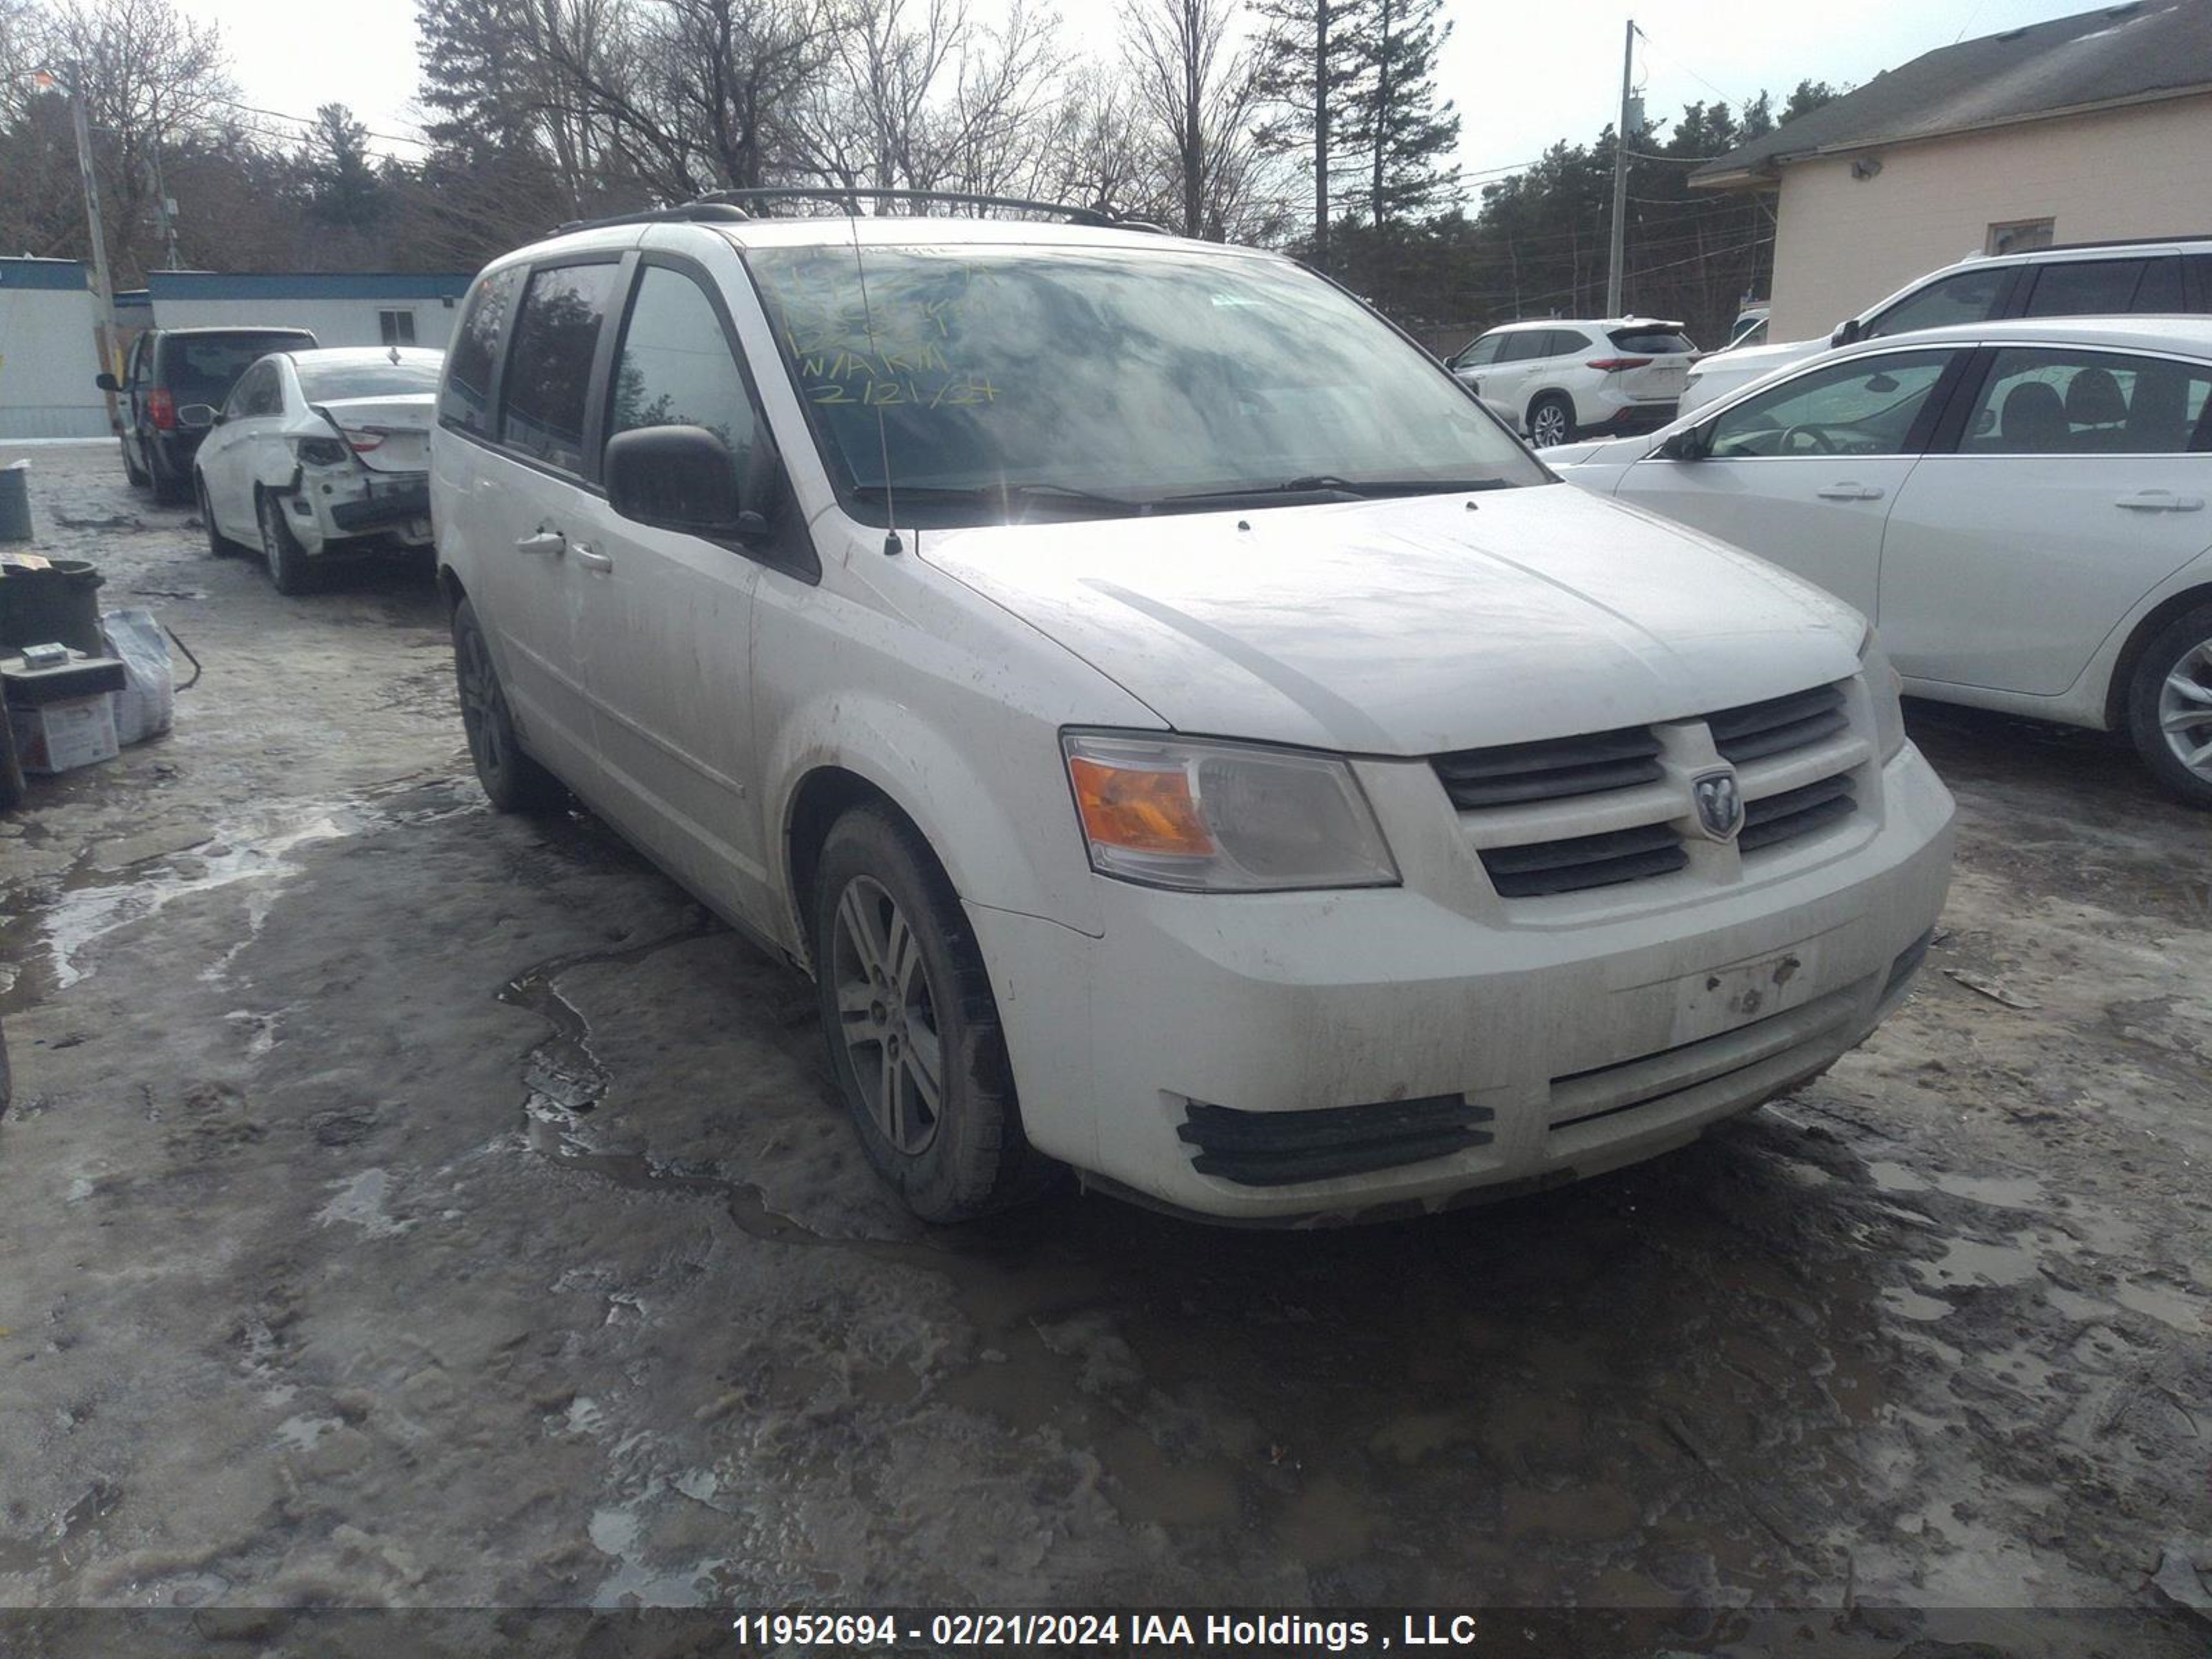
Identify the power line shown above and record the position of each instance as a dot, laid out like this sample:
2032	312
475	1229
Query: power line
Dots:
312	122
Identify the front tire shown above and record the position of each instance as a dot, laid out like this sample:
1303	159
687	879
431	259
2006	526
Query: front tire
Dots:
1551	421
2170	707
914	1030
512	780
280	548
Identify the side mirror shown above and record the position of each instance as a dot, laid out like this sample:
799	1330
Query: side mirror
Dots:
1847	331
198	418
682	477
107	383
1687	445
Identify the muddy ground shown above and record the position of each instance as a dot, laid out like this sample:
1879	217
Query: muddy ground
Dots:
407	1205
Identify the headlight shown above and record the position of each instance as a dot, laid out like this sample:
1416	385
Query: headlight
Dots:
1883	686
1222	817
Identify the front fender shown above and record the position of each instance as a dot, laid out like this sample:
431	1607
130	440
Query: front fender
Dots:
993	804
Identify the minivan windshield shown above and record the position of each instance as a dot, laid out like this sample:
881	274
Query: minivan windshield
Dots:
987	383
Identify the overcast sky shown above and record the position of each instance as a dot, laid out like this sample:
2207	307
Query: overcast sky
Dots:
1523	72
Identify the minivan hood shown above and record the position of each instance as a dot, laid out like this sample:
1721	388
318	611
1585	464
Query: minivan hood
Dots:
1412	626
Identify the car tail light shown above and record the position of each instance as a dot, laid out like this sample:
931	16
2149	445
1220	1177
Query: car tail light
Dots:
322	452
364	439
161	408
1609	364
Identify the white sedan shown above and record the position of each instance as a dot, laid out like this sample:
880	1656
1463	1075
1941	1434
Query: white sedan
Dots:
317	453
2019	506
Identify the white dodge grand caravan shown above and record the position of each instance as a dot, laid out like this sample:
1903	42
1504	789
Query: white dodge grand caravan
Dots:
1183	734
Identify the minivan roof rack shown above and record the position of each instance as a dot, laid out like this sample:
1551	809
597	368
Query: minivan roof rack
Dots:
701	212
724	206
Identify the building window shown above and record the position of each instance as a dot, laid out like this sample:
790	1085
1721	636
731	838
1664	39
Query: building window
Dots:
396	327
2018	236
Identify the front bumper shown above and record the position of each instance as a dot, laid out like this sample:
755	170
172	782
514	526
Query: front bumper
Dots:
1509	1054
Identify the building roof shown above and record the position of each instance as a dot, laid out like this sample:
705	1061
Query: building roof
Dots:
64	274
306	285
2129	53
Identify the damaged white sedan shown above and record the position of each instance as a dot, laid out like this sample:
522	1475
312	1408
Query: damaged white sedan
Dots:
320	453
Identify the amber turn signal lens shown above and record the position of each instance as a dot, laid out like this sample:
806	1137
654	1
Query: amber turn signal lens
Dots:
1138	809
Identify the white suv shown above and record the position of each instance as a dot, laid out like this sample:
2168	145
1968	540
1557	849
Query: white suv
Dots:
2090	279
1561	380
1182	734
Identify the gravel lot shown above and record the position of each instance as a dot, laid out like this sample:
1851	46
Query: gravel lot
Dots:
404	1206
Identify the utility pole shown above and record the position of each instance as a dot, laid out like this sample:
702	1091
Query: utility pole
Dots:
111	334
165	207
1618	254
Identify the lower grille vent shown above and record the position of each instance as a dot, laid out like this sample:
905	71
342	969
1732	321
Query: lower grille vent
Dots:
1279	1149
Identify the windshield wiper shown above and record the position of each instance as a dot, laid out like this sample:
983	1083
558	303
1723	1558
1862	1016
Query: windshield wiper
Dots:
1328	484
1041	495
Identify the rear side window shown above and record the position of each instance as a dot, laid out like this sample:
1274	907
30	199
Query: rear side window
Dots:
2057	400
465	400
2094	288
676	367
1970	297
1650	342
1567	342
1524	347
549	371
258	392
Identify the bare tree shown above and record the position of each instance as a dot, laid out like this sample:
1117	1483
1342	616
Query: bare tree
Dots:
1198	94
154	80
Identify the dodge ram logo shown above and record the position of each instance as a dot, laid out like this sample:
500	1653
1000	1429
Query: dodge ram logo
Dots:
1720	807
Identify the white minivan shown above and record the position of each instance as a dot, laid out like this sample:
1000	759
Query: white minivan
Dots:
1186	737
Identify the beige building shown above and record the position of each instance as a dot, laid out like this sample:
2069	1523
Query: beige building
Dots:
2085	129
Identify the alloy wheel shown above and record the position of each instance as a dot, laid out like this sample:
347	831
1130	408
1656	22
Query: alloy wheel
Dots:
2184	709
887	1013
1549	425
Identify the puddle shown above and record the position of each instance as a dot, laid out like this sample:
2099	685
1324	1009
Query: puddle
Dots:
2184	1312
1972	1261
1997	1192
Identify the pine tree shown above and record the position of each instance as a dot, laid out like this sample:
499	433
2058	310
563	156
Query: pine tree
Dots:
1400	126
343	188
1312	71
476	76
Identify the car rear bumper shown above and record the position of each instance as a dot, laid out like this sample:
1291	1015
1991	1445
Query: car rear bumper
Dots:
1307	1058
395	506
1631	420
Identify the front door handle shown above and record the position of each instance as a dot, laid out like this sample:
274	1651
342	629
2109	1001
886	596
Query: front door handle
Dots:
544	541
2159	501
591	559
1851	492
